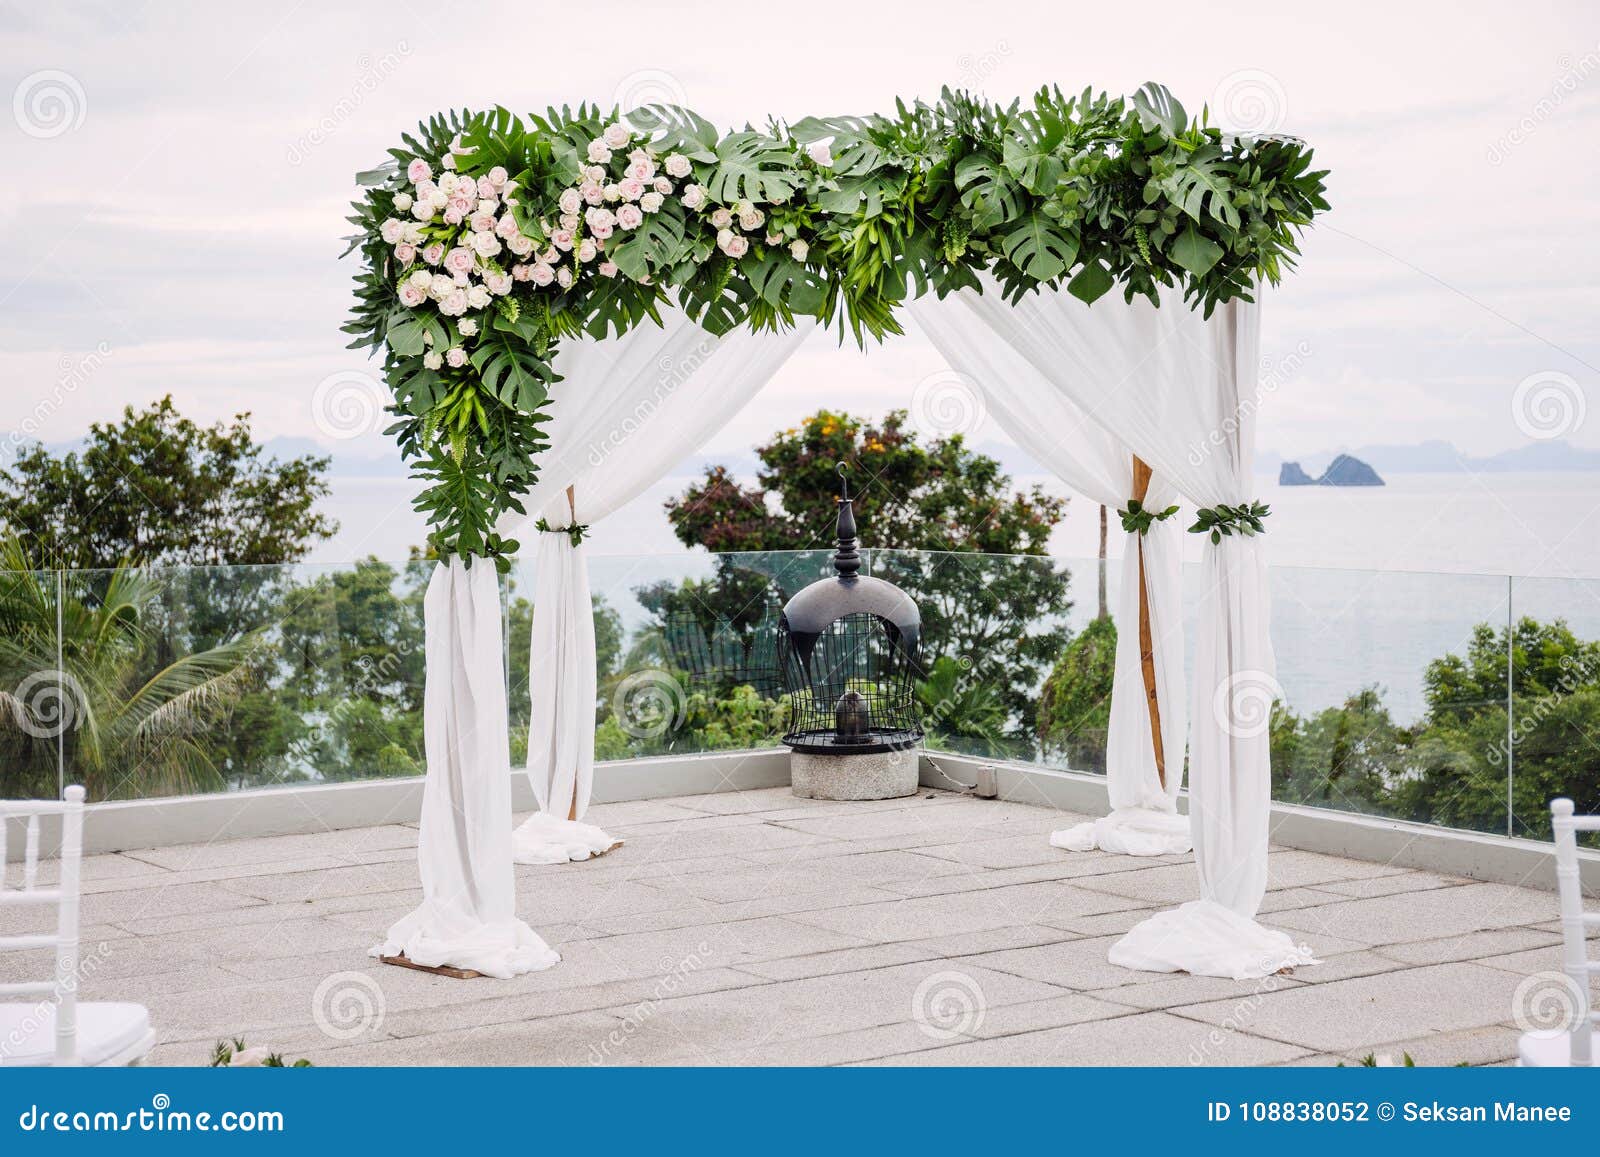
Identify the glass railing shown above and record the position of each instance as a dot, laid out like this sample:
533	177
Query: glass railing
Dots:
1461	700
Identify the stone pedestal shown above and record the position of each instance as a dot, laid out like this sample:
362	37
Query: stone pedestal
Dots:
878	775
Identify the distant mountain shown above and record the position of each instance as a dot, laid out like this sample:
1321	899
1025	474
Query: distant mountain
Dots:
1342	471
1436	456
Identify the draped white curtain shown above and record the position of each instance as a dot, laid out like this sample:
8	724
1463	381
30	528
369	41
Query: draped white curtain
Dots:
626	411
1041	418
468	913
1179	389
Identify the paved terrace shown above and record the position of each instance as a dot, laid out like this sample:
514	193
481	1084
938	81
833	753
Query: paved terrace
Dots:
757	928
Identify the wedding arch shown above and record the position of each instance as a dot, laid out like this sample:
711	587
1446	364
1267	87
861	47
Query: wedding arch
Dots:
568	304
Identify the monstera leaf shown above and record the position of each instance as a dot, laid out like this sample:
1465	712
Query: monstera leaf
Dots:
677	130
1039	249
786	283
986	191
752	167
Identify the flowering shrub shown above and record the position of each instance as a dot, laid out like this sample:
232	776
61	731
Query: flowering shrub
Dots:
488	238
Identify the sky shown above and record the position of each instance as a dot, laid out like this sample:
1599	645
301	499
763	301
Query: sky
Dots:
180	173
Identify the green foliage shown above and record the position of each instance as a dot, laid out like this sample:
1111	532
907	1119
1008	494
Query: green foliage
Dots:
1221	521
1075	702
158	489
1086	191
731	721
956	707
1137	520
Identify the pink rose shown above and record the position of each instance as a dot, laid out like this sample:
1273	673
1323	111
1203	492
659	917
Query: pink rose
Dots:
677	165
693	197
506	227
498	176
391	230
571	200
459	260
498	284
641	170
485	187
630	217
601	232
586	250
520	245
562	239
631	188
405	254
721	219
456	357
593	194
564	277
521	272
454	303
607	268
598	152
434	253
452	217
463	205
411	296
482	222
418	170
543	274
663	186
737	246
616	134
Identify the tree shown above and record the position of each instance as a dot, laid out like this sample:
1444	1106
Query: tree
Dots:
159	489
1075	702
124	728
969	548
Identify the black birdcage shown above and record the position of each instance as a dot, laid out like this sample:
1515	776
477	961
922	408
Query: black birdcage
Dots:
848	651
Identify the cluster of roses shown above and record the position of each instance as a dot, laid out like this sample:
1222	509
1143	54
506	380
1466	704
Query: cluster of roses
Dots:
447	252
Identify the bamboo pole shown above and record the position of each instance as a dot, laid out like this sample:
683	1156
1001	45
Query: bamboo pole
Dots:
1147	650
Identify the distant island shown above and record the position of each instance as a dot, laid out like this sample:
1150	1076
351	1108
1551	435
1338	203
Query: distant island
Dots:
1342	471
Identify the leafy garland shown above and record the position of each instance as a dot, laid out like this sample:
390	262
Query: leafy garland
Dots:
1137	519
487	239
1220	520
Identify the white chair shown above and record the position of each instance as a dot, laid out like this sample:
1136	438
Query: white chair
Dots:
1575	1048
59	1030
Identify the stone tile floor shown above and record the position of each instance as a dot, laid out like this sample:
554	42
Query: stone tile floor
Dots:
754	928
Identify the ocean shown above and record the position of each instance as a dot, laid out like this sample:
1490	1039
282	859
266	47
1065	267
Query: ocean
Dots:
1368	584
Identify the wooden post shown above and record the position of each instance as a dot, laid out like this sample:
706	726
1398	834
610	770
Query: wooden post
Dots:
1147	650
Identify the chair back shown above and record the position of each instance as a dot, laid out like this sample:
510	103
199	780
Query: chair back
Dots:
1575	960
62	988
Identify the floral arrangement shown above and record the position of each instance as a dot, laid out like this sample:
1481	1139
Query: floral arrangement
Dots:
232	1054
489	238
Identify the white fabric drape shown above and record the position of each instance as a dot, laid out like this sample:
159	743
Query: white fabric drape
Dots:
1180	390
1041	418
468	913
626	411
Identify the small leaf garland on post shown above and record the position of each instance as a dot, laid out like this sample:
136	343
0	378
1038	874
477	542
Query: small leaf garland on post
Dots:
575	533
1136	519
1222	520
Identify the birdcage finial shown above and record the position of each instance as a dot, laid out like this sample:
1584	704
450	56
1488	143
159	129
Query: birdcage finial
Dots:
846	559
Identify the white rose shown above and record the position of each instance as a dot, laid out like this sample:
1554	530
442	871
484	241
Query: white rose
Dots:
662	186
423	210
441	285
520	245
798	250
249	1058
586	250
721	219
438	198
477	297
486	244
390	231
693	196
456	356
818	152
467	326
616	134
650	202
564	277
598	152
422	279
433	359
571	200
403	202
752	219
677	165
543	273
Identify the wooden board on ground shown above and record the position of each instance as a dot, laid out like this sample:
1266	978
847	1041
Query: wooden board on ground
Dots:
451	971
